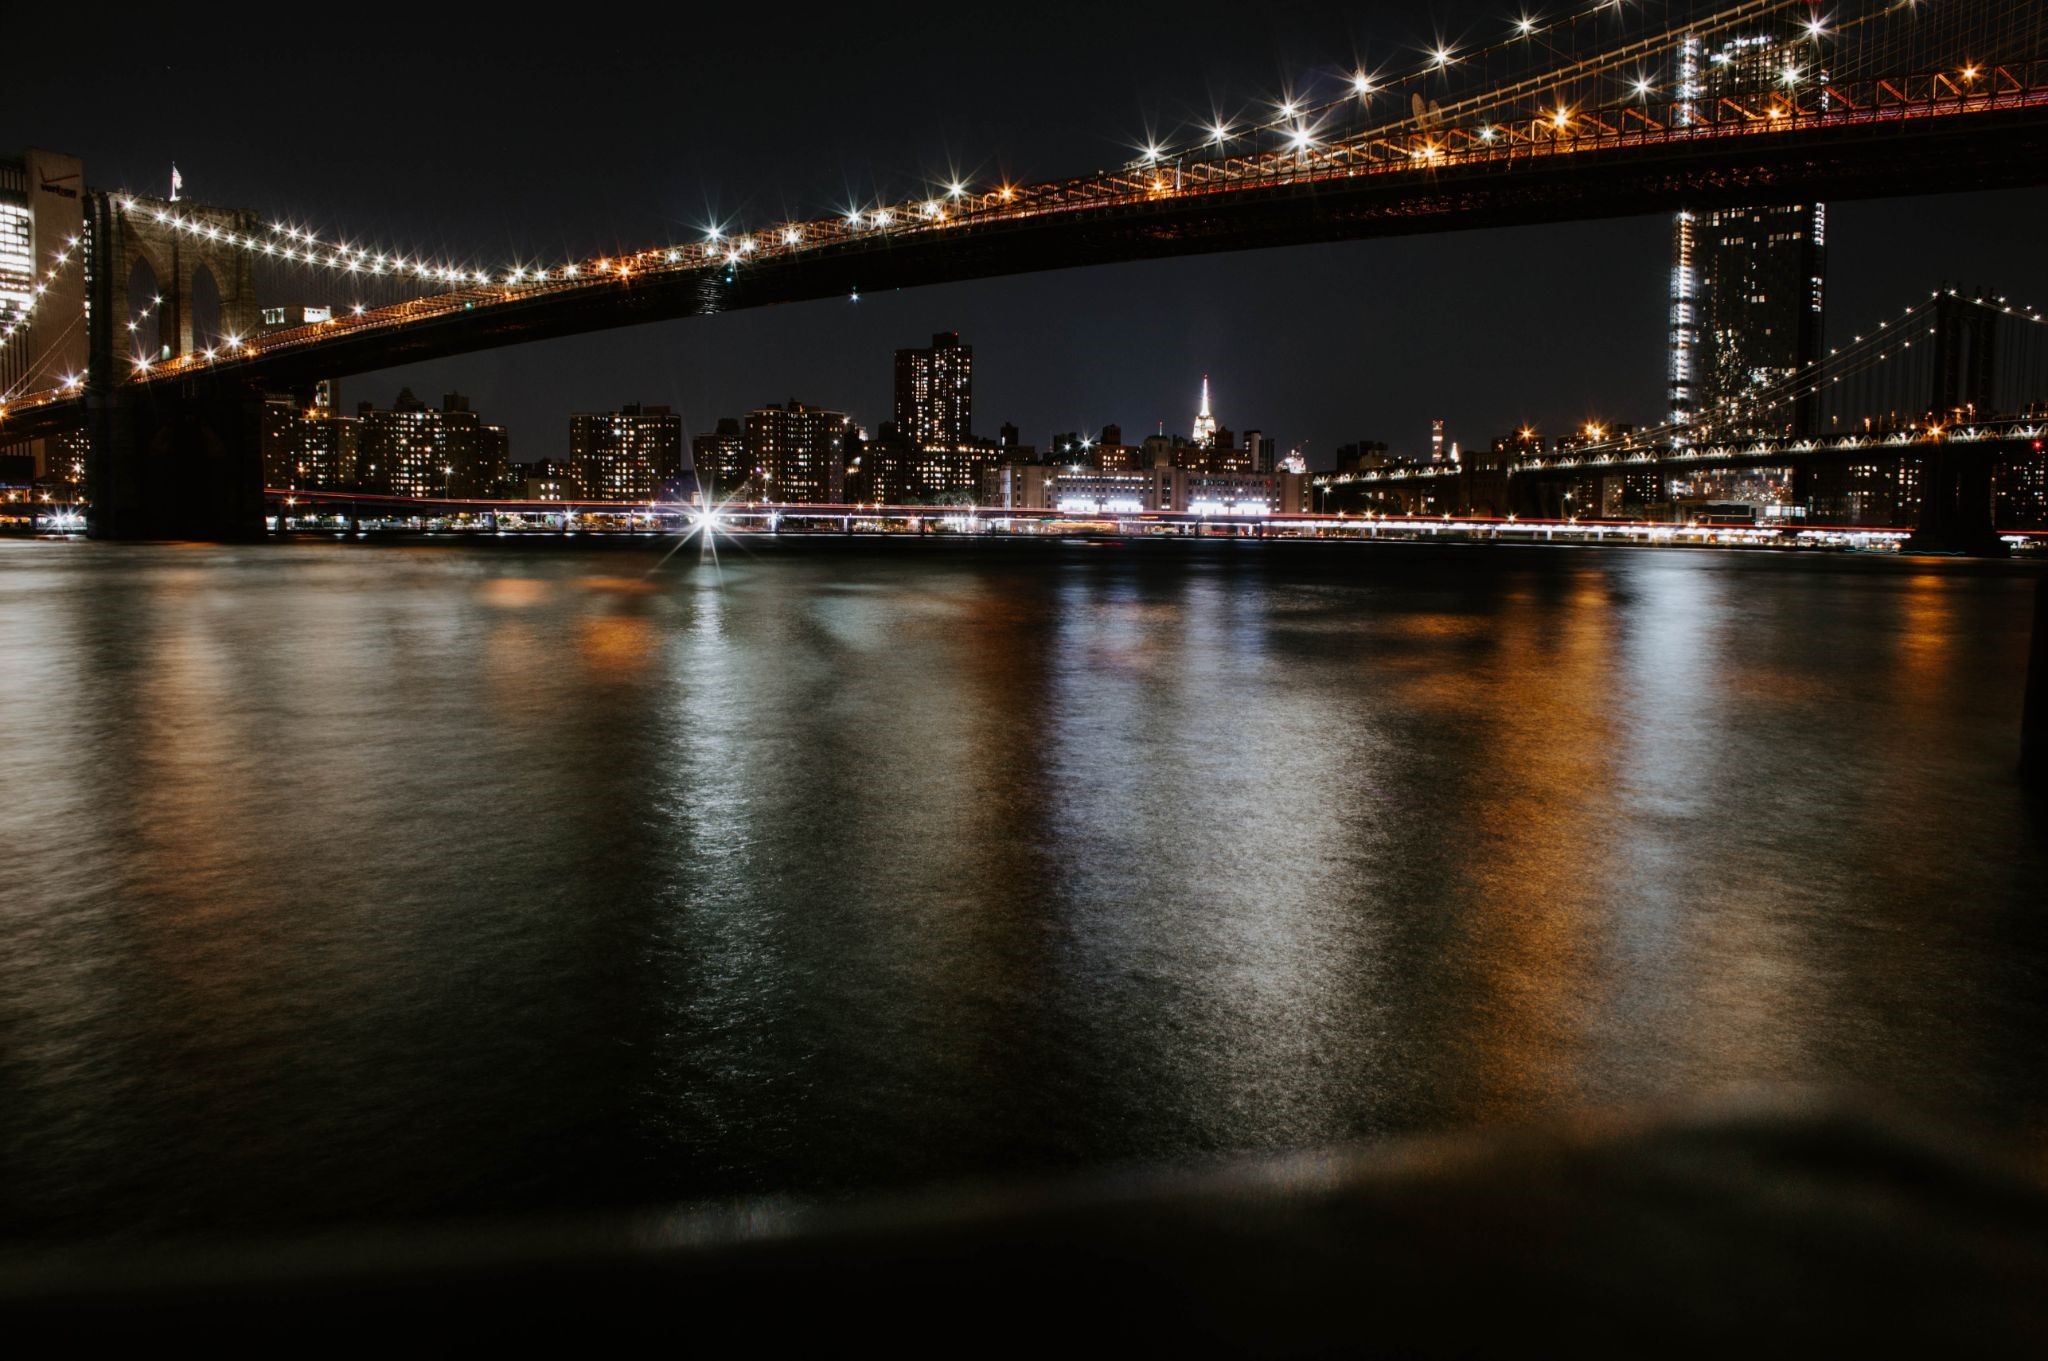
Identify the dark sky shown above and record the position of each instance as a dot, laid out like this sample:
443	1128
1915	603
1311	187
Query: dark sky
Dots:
581	132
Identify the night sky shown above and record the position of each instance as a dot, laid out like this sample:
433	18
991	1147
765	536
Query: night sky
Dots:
562	138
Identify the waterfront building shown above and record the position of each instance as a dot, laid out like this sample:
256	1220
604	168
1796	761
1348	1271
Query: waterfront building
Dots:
1088	491
951	473
632	454
2020	487
1877	490
796	452
879	470
1018	486
415	450
324	451
549	479
1234	493
309	449
1095	491
719	456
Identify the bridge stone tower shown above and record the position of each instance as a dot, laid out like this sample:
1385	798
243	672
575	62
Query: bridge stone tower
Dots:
179	457
1965	355
1956	484
180	243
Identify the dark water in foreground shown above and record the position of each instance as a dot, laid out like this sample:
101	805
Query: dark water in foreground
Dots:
347	882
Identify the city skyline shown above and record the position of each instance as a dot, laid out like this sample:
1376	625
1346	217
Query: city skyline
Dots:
1219	678
1409	324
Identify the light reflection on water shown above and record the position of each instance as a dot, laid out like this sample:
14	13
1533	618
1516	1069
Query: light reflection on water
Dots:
348	882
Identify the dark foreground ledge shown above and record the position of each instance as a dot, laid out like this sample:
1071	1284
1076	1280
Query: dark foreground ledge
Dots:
1789	1223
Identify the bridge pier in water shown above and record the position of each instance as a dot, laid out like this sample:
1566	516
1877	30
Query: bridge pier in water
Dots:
1956	504
2034	717
177	463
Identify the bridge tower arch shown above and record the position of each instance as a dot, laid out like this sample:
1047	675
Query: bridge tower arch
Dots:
1957	490
203	315
182	242
1965	355
144	283
180	456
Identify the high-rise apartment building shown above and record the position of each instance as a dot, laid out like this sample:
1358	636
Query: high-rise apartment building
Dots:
632	454
309	449
1747	284
798	452
415	450
935	393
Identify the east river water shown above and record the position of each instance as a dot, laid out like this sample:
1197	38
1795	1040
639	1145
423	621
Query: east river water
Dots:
369	882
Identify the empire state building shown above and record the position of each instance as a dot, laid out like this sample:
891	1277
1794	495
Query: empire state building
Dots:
1205	424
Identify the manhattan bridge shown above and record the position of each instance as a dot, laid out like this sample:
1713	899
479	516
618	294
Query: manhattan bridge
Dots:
140	334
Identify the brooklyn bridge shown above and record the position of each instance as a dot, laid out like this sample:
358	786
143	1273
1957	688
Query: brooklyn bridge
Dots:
146	337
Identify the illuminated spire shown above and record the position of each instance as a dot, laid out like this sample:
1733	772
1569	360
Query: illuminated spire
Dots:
1205	424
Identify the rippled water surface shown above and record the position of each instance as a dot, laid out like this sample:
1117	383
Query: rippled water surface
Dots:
369	881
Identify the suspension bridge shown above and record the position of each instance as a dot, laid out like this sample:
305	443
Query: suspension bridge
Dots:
1936	395
1603	112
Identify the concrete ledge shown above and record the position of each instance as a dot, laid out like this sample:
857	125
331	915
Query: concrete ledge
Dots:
1785	1222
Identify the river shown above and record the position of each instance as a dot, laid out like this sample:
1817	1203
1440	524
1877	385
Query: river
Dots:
370	882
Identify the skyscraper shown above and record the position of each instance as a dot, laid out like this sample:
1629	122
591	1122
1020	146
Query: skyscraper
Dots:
42	299
1747	284
935	393
1205	424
